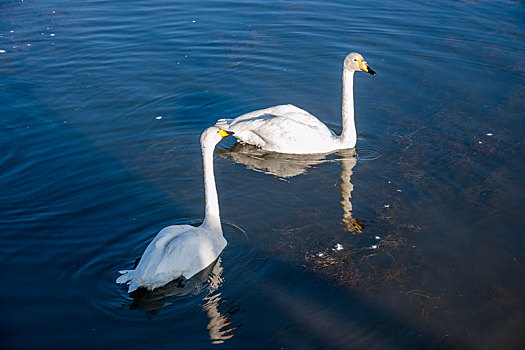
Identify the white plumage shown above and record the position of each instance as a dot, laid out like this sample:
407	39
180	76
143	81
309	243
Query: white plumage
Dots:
183	250
290	129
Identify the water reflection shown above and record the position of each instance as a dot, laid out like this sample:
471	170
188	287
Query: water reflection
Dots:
285	166
348	161
208	280
219	327
278	164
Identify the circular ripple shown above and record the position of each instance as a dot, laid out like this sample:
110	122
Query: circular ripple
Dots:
369	152
98	278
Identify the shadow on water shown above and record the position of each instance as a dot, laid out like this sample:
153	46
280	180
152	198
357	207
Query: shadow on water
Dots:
341	319
349	318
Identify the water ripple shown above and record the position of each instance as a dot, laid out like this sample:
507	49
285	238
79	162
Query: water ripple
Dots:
98	276
369	152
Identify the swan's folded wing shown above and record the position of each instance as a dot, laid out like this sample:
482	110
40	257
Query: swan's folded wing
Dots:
189	253
156	251
285	135
289	111
169	233
179	254
295	113
279	121
157	254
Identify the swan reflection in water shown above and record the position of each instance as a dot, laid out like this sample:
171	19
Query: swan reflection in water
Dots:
348	161
285	166
281	165
209	281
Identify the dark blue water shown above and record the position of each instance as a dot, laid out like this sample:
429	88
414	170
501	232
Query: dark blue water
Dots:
102	104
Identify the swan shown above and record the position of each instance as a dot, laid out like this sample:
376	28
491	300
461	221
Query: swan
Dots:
181	251
290	129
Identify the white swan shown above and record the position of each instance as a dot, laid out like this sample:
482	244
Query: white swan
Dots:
184	250
289	129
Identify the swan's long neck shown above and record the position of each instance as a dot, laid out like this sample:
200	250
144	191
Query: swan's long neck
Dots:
348	137
211	218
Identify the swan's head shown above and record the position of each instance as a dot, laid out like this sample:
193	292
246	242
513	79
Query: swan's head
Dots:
355	62
211	136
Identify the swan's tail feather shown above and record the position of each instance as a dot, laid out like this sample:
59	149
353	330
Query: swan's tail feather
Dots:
127	275
133	286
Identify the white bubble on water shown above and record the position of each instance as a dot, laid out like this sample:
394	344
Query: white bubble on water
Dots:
338	247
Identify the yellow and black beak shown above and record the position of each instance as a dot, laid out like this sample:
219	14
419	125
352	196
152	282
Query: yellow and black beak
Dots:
223	133
365	68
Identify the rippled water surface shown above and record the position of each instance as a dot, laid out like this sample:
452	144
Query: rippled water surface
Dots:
413	240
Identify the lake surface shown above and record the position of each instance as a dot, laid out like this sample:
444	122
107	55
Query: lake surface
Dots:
102	104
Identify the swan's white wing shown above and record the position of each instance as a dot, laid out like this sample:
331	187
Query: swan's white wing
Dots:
285	128
190	253
168	233
145	274
289	111
177	251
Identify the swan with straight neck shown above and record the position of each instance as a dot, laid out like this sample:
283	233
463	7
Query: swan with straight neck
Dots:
181	251
290	129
